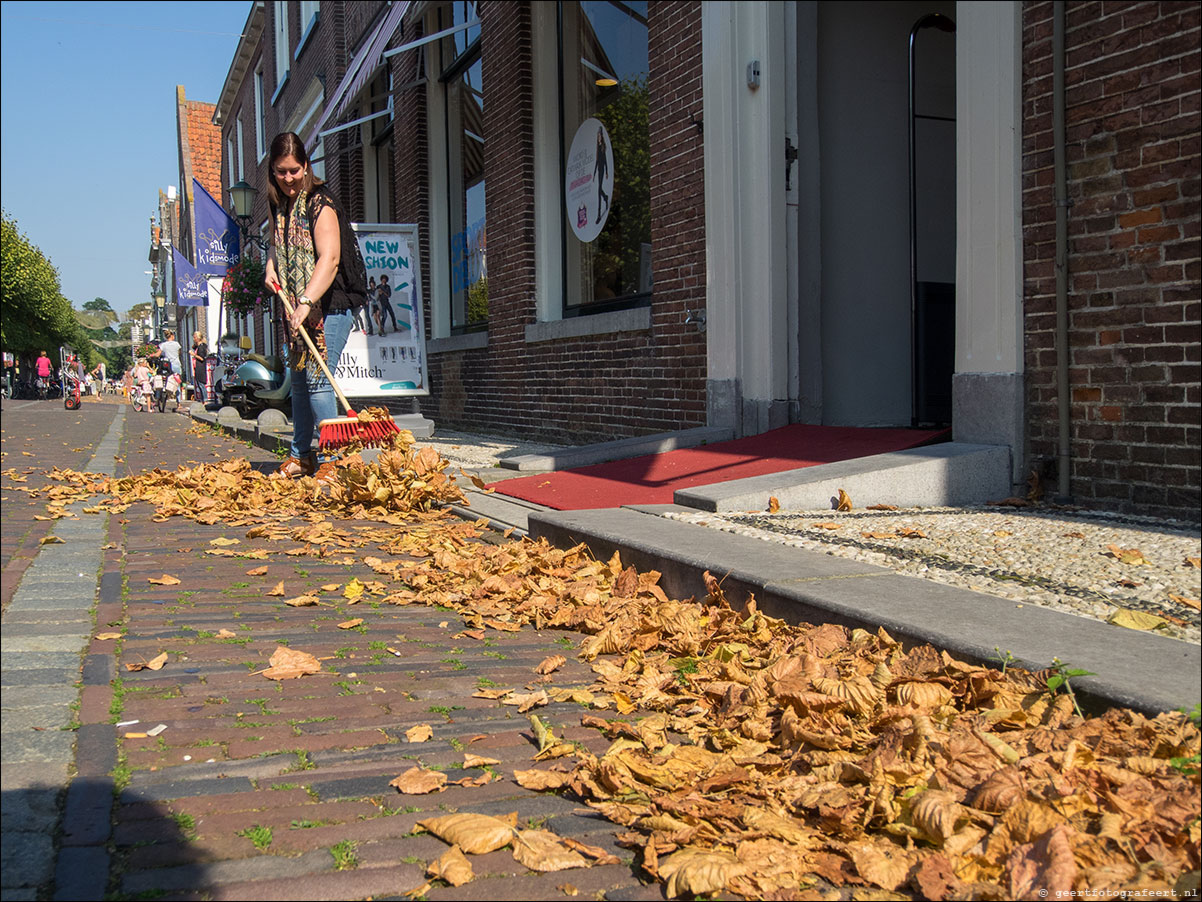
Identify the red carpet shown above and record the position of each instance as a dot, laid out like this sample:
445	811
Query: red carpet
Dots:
653	479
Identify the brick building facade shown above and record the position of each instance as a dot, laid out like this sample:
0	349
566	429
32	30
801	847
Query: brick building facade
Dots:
200	159
628	372
765	247
290	56
1132	127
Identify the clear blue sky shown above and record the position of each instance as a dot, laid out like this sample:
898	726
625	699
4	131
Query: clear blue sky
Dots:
88	130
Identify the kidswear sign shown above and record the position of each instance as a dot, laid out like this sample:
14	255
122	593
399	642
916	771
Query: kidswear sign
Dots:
217	243
589	180
386	351
191	285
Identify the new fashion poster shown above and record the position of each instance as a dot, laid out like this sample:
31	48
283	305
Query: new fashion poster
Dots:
386	351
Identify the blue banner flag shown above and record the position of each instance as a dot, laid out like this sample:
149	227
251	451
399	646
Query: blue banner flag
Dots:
191	285
217	245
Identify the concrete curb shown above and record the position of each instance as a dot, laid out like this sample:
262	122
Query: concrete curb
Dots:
1132	669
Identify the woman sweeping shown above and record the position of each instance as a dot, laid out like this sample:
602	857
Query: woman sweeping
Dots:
303	257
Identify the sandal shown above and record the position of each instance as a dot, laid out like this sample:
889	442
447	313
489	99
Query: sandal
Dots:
292	467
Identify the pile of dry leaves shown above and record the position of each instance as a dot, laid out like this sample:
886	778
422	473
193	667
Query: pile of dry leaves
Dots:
403	479
750	755
758	756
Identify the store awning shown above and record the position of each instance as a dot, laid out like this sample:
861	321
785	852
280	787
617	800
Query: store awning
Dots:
360	71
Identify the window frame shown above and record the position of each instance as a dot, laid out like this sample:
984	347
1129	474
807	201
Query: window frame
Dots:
260	113
231	160
241	146
282	54
309	22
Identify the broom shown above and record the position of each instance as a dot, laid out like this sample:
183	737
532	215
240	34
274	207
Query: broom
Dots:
338	432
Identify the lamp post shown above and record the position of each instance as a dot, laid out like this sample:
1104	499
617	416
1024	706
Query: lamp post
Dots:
243	197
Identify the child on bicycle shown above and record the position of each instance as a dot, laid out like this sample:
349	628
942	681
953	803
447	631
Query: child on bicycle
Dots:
142	380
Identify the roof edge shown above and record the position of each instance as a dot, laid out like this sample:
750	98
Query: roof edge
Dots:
247	45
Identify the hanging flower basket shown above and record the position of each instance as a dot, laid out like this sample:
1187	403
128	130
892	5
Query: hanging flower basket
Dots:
243	290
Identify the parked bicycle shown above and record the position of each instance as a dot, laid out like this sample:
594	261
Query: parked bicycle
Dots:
138	399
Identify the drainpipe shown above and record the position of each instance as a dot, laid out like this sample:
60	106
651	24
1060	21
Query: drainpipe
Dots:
1064	456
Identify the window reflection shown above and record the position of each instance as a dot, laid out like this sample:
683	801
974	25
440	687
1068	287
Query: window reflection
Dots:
603	45
462	75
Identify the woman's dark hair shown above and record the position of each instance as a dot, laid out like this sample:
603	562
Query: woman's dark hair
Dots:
287	144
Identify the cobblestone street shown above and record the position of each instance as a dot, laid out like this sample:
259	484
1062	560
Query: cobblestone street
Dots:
219	783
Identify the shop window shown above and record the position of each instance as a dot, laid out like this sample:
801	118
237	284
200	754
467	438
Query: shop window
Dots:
461	77
304	120
378	149
605	154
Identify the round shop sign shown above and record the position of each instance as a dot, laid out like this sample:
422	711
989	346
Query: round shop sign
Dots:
589	180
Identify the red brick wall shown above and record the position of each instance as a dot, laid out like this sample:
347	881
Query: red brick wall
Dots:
595	386
1132	95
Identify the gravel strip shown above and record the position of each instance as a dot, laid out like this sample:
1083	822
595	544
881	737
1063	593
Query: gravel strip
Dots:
481	451
1052	558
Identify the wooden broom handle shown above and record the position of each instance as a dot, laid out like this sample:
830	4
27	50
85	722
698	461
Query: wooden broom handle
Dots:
313	350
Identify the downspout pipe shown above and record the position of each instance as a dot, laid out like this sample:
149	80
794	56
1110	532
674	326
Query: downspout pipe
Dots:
1063	399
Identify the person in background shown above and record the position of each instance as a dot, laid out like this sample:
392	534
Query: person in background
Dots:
169	349
100	371
43	367
200	352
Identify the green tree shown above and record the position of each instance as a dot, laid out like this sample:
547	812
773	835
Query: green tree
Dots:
36	315
105	340
118	360
477	301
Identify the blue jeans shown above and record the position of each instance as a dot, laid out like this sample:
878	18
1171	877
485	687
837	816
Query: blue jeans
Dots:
313	398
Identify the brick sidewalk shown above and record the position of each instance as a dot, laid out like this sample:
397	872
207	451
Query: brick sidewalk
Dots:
254	788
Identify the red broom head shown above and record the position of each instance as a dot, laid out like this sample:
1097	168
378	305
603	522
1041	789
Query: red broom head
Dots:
342	431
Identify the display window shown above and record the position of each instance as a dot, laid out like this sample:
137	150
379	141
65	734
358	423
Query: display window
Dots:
461	77
606	159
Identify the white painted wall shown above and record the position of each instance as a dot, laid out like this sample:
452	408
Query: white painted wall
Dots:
989	195
747	279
